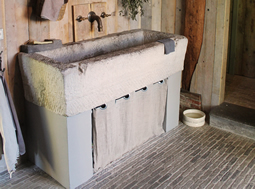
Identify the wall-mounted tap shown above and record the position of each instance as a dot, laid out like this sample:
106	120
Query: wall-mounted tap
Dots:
80	18
92	17
103	15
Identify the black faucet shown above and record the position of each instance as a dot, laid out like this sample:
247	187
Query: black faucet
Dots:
92	17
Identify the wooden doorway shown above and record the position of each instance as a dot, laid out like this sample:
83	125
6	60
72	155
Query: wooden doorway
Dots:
240	80
242	39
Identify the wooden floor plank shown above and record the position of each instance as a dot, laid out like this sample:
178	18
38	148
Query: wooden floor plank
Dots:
240	91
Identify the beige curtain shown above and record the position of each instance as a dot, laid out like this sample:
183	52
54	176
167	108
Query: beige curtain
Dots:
128	122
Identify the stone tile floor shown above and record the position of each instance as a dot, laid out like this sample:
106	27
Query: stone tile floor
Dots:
185	157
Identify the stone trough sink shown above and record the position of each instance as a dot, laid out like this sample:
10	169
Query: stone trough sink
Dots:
63	85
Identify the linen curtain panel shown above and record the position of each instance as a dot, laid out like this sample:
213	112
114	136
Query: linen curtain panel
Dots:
128	122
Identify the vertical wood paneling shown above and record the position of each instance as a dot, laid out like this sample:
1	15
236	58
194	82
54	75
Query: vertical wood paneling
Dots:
248	67
203	75
111	9
209	77
38	29
84	27
17	30
194	29
16	25
156	18
17	33
180	16
135	24
122	22
151	19
59	29
69	11
221	51
146	19
237	37
168	16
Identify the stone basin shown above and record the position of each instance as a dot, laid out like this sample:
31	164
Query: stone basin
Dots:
63	86
82	75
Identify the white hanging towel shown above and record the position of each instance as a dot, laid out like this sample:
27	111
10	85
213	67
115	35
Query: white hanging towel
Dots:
7	130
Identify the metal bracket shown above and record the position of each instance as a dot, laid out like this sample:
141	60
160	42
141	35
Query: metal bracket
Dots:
103	15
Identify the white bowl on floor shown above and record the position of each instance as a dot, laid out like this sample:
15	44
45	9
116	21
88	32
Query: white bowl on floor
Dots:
193	118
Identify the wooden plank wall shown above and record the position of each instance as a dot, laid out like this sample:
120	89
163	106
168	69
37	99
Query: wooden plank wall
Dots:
203	75
179	17
3	46
242	48
209	77
146	20
16	28
248	68
237	37
221	52
168	14
193	31
20	25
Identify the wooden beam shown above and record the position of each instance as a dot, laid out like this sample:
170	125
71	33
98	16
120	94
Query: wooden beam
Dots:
202	79
221	51
194	28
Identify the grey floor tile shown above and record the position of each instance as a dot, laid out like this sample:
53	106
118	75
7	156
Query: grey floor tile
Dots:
185	157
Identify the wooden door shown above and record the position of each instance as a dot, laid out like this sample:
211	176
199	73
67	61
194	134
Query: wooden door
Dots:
242	46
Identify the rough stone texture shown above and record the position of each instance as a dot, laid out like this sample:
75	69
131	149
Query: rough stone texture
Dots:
28	176
234	118
185	157
84	75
